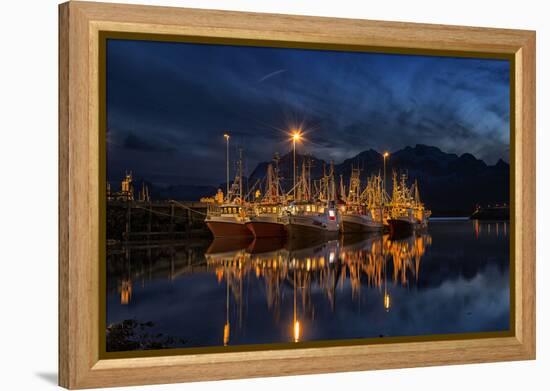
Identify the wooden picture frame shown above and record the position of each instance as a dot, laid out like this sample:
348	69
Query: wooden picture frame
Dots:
81	159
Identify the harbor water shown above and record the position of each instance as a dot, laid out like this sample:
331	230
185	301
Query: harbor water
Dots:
451	278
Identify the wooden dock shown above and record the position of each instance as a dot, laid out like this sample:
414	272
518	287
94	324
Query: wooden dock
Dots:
155	220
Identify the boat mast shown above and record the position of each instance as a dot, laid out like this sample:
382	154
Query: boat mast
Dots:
277	181
342	190
332	183
226	136
309	191
269	188
241	174
416	193
354	185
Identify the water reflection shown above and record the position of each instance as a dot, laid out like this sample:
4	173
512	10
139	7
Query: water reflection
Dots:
302	266
227	292
496	228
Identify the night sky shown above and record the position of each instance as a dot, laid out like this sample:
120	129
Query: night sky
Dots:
169	104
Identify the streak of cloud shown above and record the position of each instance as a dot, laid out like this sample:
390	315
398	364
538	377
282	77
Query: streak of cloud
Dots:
270	75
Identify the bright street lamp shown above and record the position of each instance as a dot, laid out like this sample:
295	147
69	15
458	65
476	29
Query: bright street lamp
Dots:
296	136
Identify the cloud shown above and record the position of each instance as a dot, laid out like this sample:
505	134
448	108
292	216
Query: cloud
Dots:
138	143
181	98
270	75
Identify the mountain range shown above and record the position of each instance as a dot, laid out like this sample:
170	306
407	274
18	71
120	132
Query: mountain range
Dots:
450	184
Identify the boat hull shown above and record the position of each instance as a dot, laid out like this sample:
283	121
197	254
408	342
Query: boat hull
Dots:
300	227
224	229
262	229
353	224
400	227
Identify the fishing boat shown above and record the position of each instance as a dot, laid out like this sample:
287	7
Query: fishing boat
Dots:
229	219
402	224
359	220
356	215
268	219
313	220
310	216
407	212
420	213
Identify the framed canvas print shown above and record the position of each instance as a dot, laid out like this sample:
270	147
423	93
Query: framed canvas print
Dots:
248	195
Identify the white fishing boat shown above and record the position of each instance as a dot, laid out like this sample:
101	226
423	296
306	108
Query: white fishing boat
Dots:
359	221
310	219
267	218
356	215
313	218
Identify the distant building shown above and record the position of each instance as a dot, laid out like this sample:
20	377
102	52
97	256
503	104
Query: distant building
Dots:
126	192
217	199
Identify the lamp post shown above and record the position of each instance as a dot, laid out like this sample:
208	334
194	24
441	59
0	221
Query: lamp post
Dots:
226	136
295	137
386	154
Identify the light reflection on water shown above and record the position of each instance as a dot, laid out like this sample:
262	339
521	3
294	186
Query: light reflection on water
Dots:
453	278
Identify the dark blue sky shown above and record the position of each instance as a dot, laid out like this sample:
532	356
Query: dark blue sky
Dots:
168	105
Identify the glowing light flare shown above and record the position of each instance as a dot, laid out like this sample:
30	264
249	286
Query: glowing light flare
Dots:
387	302
126	292
296	331
386	154
226	333
226	136
296	135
